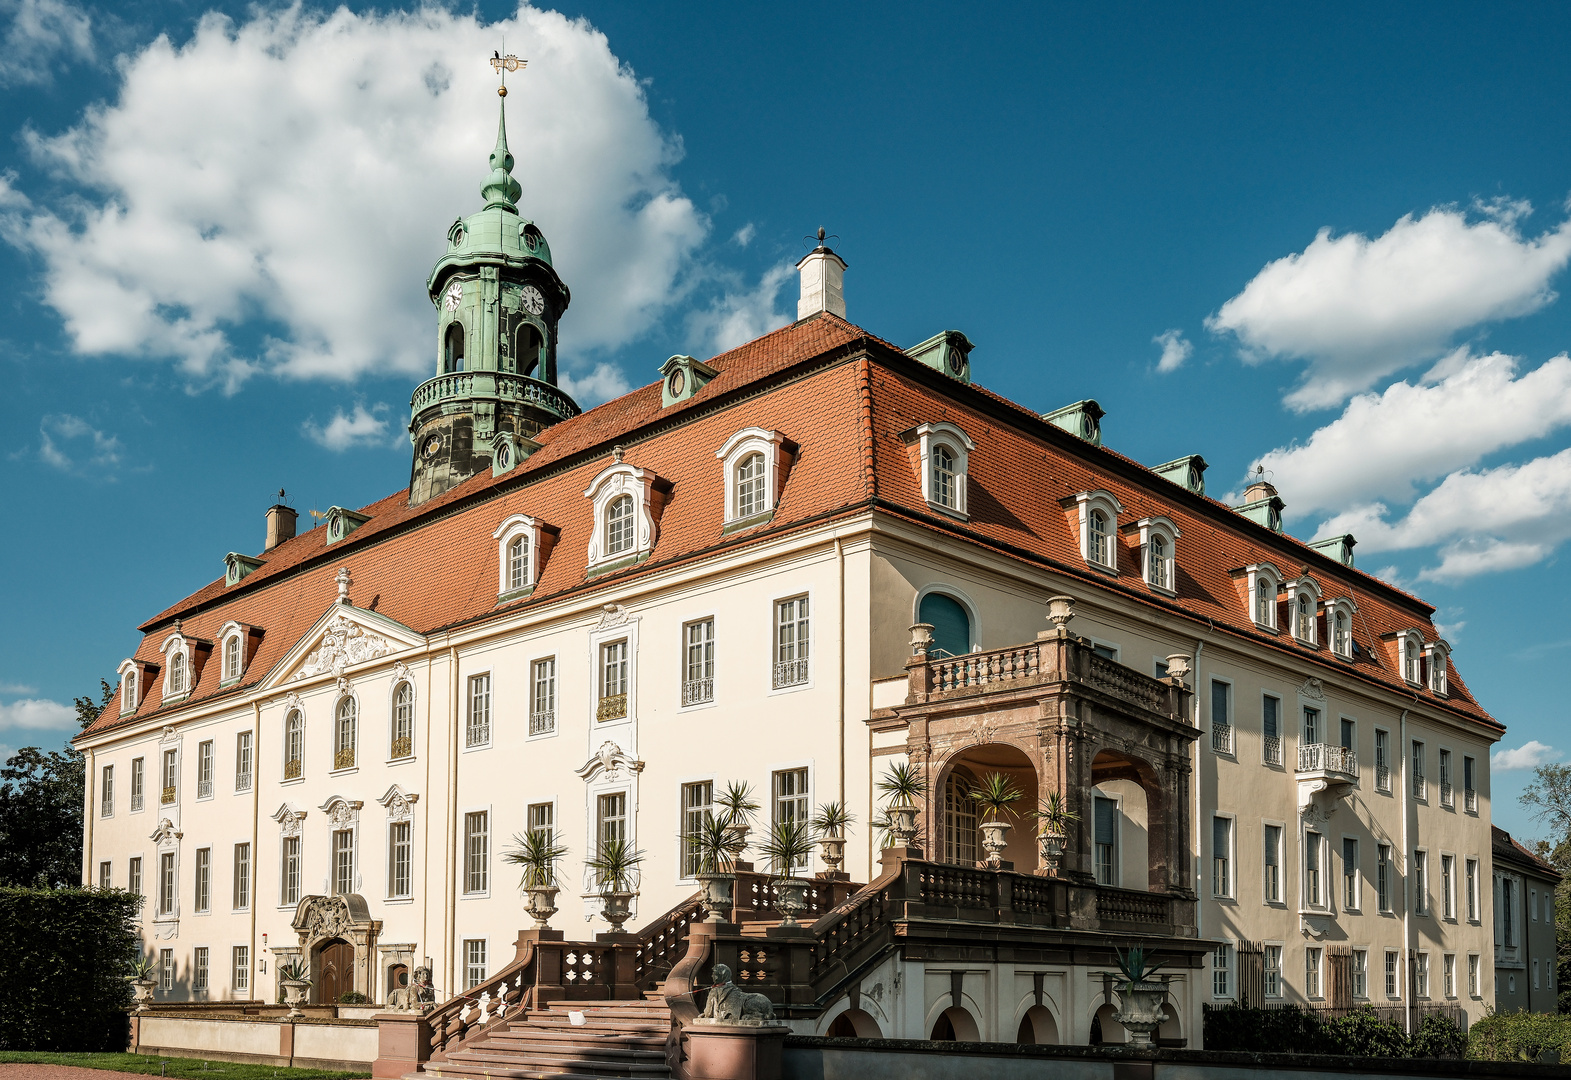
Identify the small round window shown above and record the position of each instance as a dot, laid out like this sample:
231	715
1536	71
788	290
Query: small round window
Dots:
676	382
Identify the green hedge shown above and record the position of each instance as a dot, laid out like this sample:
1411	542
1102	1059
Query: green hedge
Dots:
64	955
1520	1036
1360	1033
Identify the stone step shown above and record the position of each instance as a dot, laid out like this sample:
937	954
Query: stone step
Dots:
610	1049
443	1070
527	1041
655	1067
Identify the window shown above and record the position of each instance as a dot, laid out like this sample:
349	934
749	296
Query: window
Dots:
750	495
698	674
1273	864
176	674
204	770
791	801
1222	971
1314	986
1448	886
343	862
1419	791
1098	548
1360	973
791	642
242	877
1265	603
1156	563
1350	896
133	877
128	699
106	802
1271	965
171	776
541	817
474	963
1472	975
1446	798
166	969
751	460
106	871
1264	582
1342	631
613	681
1106	840
199	969
166	883
951	624
1393	988
1507	908
477	730
1472	890
1304	619
403	732
1158	545
399	876
1532	904
232	659
345	733
611	817
1221	717
243	761
1435	657
944	451
1448	974
1222	856
136	784
619	525
943	478
240	968
1421	976
1410	658
1469	787
697	803
542	700
1311	729
960	819
477	852
289	876
294	744
1383	761
1421	882
518	562
202	898
1349	735
1313	843
518	550
1271	729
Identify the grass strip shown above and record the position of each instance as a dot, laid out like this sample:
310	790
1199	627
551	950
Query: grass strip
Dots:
184	1068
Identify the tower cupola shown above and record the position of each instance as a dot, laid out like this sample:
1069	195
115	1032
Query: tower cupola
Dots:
498	302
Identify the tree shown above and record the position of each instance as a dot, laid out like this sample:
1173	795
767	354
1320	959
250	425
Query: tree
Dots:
41	810
1549	796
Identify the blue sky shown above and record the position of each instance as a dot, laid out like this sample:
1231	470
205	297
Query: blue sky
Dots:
1328	239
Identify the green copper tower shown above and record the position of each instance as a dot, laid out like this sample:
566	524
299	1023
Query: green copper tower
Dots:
498	301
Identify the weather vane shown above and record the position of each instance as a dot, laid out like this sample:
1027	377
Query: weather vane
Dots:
503	64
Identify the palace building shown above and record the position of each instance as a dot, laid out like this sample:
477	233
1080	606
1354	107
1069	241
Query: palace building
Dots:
795	565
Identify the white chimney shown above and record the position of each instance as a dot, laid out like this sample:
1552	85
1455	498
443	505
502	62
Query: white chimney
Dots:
823	282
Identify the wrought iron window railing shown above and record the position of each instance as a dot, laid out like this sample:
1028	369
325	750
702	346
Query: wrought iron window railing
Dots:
136	802
542	721
403	747
169	795
292	769
204	789
790	673
1447	796
1383	778
1222	738
1271	750
345	758
698	691
1470	800
242	781
613	707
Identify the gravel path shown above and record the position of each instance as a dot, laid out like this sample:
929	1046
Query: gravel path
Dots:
58	1072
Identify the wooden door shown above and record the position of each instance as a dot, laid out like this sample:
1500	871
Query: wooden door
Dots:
335	971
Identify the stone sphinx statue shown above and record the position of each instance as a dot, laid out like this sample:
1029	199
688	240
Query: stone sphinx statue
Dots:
729	1004
418	996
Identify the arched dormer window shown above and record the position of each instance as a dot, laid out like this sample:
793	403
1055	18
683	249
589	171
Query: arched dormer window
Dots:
518	562
943	461
1096	520
453	348
1097	550
294	744
130	687
1264	582
1265	603
519	555
619	525
1339	626
1158	554
1156	562
753	460
750	495
626	502
177	674
1304	619
943	479
232	653
1303	606
346	724
1410	665
1436	657
402	744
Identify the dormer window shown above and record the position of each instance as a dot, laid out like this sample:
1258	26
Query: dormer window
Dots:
619	525
518	562
1339	624
1158	548
1436	658
1098	520
626	503
232	653
943	477
130	687
177	674
755	462
1264	582
1409	650
1303	608
1096	544
235	639
943	457
521	544
750	496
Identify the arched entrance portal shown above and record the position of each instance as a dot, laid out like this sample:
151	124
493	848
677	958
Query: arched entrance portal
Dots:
959	839
1129	823
333	969
338	932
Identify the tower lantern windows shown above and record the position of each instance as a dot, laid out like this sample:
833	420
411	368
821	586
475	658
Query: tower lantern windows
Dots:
453	348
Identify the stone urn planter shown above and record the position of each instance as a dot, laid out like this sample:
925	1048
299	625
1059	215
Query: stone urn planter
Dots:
717	899
833	851
1140	1010
617	907
995	838
294	993
143	991
541	904
902	824
1050	846
790	899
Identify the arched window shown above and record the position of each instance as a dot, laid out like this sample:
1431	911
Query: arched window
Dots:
129	692
1341	636
177	673
1096	539
959	819
1156	562
403	721
619	525
951	625
344	734
518	562
1305	627
453	349
750	486
294	744
232	659
1265	602
1437	670
528	347
943	476
1412	661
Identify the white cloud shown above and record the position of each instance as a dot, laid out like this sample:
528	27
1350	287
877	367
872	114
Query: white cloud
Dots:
740	314
71	444
744	236
17	688
299	171
362	427
1529	755
1358	309
40	31
1175	350
603	383
36	714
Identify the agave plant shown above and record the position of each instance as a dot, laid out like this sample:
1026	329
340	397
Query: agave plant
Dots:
788	845
294	969
996	795
537	851
1054	813
902	784
736	803
142	969
1136	966
614	865
716	845
833	819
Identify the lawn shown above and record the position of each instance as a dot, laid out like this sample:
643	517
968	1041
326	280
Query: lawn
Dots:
186	1068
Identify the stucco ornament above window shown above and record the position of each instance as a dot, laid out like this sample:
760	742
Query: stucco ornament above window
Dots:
626	501
343	644
611	760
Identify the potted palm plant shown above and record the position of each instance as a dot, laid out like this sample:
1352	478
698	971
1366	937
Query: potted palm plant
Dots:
788	846
995	798
1053	820
614	865
142	981
716	847
1140	996
537	852
832	822
735	806
902	785
296	979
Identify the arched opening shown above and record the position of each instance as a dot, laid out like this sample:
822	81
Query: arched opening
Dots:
528	347
619	525
1126	823
960	822
1105	1028
954	1024
1171	1033
397	978
453	348
951	625
854	1024
333	970
1038	1026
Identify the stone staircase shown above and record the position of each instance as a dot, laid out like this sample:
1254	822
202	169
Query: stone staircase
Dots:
617	1039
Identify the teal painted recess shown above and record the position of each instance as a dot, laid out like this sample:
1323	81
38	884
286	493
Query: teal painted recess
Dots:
951	625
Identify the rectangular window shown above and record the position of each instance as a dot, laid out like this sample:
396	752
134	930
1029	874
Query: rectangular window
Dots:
290	872
611	817
133	877
1446	798
1448	974
1106	840
791	642
199	969
474	963
477	852
1421	976
1271	730
1535	973
399	875
1221	856
1311	729
1448	886
1314	986
698	666
477	732
1472	890
136	784
1313	897
542	698
1221	717
1360	973
243	761
1421	882
1469	787
1507	912
171	777
1472	975
1383	875
1349	735
1383	761
613	681
1350	897
240	969
541	816
1393	960
697	803
294	744
166	969
790	800
242	876
204	769
106	805
1420	792
1273	864
106	874
402	744
202	900
166	883
343	862
1271	963
1222	971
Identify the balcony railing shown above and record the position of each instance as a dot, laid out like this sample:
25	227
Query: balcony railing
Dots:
345	758
613	707
136	802
169	795
204	789
496	385
243	781
403	747
1222	738
1271	749
292	769
1419	789
1470	800
790	673
698	691
1324	757
1447	797
542	721
1383	778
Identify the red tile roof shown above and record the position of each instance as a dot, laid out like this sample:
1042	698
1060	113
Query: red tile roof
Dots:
1505	846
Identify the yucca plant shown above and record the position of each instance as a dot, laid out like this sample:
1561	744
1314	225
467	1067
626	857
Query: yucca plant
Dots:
538	852
736	803
788	845
1054	813
142	969
294	970
1136	966
833	819
995	795
902	784
614	865
716	845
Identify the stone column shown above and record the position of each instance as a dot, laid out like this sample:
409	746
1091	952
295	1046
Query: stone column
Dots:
733	1051
403	1044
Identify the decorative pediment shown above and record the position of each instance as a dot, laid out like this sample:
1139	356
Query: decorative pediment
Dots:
289	820
400	807
342	813
321	917
343	638
166	833
1312	689
611	616
611	760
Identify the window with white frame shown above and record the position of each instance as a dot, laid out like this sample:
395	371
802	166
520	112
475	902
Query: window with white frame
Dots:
1158	551
517	562
1303	602
1271	970
240	968
1420	790
242	877
171	777
233	651
1436	658
402	741
106	874
202	881
1448	974
400	876
541	817
133	876
177	674
166	969
943	462
129	687
619	525
346	732
542	697
166	883
1222	717
1350	876
243	761
1472	975
790	802
1314	860
1314	972
294	744
204	769
1271	729
623	500
1421	882
474	962
613	681
343	862
1472	890
1098	526
1409	647
1447	796
1469	785
1264	582
477	728
1222	971
518	553
1272	862
610	818
750	461
698	662
1421	976
697	804
1383	872
751	497
1222	856
1382	760
1339	623
792	635
137	784
1360	979
106	794
289	871
477	852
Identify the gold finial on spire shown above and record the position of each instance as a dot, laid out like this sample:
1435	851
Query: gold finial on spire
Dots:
504	64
